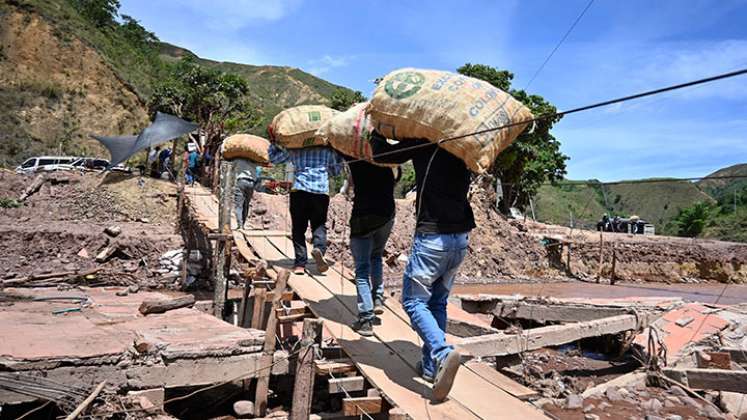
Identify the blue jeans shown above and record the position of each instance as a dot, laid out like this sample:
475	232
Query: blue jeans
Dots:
430	273
368	251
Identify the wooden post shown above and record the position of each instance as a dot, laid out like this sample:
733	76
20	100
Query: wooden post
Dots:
568	259
265	362
601	255
613	276
223	248
258	312
303	388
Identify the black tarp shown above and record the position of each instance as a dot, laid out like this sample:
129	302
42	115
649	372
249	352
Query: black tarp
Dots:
164	128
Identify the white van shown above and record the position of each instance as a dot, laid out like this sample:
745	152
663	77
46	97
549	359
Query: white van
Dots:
46	163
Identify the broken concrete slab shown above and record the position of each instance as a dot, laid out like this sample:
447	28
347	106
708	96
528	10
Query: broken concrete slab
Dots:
502	344
98	341
678	339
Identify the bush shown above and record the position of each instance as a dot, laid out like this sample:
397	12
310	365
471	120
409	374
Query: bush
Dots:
9	203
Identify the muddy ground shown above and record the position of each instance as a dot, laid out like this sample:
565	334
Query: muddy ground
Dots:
508	250
61	229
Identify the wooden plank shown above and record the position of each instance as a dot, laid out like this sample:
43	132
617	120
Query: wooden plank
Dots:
504	344
502	381
264	233
303	388
399	338
374	359
711	379
737	355
161	306
334	367
263	380
345	385
258	312
361	406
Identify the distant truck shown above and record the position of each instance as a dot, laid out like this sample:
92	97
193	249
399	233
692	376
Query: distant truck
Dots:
66	163
632	225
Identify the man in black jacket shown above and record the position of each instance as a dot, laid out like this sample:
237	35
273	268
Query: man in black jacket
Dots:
370	225
444	220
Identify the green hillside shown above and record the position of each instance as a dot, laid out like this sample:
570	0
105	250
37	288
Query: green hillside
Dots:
65	75
654	200
729	216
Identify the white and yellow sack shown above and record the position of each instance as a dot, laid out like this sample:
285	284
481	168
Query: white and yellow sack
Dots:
436	105
246	146
349	133
295	127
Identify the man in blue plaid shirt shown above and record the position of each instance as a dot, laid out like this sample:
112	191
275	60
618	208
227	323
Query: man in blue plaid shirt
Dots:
309	198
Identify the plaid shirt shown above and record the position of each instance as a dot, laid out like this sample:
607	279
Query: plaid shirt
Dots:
312	166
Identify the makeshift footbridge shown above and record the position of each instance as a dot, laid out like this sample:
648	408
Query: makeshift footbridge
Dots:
388	359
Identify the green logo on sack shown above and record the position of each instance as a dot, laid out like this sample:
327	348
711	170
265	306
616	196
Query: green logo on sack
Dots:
405	84
315	116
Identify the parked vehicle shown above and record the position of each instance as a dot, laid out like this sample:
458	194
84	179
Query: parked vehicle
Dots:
90	163
46	163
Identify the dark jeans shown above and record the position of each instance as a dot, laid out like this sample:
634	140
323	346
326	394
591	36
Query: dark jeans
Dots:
308	209
367	252
242	197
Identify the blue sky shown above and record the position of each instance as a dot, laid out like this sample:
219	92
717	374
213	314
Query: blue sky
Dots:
618	48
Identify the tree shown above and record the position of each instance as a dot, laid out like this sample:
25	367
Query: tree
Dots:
136	34
100	12
535	157
342	99
213	99
690	221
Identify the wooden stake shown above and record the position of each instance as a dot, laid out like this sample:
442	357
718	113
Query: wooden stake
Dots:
263	378
82	407
223	248
613	276
258	312
601	256
303	388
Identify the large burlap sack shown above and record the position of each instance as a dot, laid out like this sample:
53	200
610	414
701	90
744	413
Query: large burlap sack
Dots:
349	133
295	127
436	105
246	146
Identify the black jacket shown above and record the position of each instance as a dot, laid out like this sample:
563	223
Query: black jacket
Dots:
373	204
442	184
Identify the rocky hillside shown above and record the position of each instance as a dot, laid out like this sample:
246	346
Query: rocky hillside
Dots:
63	77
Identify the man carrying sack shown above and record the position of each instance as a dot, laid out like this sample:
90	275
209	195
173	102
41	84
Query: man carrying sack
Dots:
309	198
371	222
443	221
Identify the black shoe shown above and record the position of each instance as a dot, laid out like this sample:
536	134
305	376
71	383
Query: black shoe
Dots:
363	327
378	306
446	371
321	263
419	368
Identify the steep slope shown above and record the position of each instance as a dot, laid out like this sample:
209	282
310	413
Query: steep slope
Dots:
722	188
55	90
63	78
271	88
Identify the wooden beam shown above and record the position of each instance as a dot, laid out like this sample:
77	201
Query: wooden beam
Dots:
223	248
264	233
543	312
263	380
163	305
289	319
711	379
346	384
335	366
504	344
361	406
738	355
303	388
258	312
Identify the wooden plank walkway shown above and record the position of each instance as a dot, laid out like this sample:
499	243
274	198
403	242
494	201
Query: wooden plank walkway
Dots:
388	359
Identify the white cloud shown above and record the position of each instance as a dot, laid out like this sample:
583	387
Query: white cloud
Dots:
327	62
235	14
